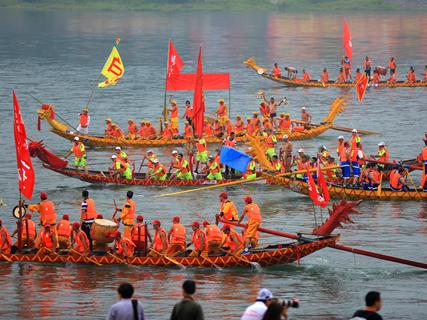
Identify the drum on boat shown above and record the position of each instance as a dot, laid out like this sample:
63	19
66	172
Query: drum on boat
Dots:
381	70
102	229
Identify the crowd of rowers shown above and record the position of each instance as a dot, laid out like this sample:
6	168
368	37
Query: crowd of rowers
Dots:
345	76
79	238
266	118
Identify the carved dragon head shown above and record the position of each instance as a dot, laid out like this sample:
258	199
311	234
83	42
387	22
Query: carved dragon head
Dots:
46	111
251	63
337	106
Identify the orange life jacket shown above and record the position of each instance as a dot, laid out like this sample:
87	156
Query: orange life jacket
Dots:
377	78
47	212
201	146
276	72
208	130
129	217
354	152
306	76
77	150
253	212
138	232
157	241
232	243
367	64
213	233
167	133
79	243
64	228
130	247
90	212
264	109
269	142
32	229
196	239
392	65
424	153
412	77
395	180
46	239
177	234
325	77
217	128
8	242
229	210
174	112
239	126
84	119
385	157
132	128
343	155
180	166
230	143
284	124
187	132
222	110
189	112
340	147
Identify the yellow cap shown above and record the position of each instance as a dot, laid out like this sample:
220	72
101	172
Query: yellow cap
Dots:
109	119
221	100
173	102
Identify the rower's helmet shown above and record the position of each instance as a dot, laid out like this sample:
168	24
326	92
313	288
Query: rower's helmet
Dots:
76	138
140	218
223	195
156	222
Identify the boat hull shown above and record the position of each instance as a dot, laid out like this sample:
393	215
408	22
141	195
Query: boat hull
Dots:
287	254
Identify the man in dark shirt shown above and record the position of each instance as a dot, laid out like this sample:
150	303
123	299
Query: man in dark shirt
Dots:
187	309
373	304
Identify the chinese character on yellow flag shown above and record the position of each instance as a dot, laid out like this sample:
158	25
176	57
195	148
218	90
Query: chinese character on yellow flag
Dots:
113	69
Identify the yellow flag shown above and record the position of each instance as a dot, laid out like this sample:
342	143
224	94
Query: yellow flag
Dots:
113	69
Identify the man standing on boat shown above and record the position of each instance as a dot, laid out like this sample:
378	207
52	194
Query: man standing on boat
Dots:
286	153
253	212
5	240
160	243
222	112
272	106
227	208
423	158
46	208
87	214
84	122
177	235
305	117
127	215
79	151
276	71
174	112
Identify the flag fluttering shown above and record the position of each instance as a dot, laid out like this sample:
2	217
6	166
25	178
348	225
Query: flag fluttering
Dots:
315	196
199	101
346	41
175	63
26	176
113	69
235	159
361	86
323	186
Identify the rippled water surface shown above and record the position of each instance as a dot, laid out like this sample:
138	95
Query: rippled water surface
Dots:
56	56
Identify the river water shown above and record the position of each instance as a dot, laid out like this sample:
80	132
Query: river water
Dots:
56	56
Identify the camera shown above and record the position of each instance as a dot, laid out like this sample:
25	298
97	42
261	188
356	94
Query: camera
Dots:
289	303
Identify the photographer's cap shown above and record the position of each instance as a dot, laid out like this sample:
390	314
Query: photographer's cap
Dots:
264	294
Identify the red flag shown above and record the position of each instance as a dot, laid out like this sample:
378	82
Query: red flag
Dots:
346	41
187	81
26	175
322	185
361	86
314	193
175	63
199	101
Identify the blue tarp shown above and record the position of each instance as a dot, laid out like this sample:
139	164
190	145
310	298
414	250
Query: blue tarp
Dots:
234	158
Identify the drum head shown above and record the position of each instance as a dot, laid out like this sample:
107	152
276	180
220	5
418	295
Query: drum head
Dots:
260	71
105	223
17	214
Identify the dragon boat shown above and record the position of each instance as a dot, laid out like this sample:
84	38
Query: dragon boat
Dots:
47	112
264	72
340	192
268	256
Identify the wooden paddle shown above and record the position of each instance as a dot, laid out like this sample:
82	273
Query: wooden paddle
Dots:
117	258
263	177
5	257
380	185
337	128
253	264
211	262
412	181
169	258
87	258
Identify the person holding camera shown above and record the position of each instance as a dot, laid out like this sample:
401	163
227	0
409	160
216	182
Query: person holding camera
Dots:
373	305
257	310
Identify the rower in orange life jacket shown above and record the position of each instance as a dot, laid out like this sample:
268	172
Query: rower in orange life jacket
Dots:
267	124
324	78
358	75
233	241
227	210
116	131
253	212
382	154
341	77
108	130
392	66
79	151
412	78
277	165
188	131
217	128
150	130
84	122
370	177
367	66
47	240
123	246
207	129
239	126
276	71
87	215
256	124
5	240
377	78
199	240
249	127
305	76
46	208
139	235
347	68
397	180
127	215
80	240
425	74
174	114
213	238
28	228
142	131
355	138
264	109
284	122
63	230
221	112
167	132
423	158
160	242
177	236
132	130
228	126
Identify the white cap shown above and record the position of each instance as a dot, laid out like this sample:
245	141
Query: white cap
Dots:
150	151
323	147
285	136
354	130
118	148
76	138
264	294
303	108
300	150
113	156
381	144
174	152
155	160
341	137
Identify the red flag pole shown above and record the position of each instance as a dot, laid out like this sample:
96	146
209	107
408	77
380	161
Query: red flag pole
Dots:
229	103
165	108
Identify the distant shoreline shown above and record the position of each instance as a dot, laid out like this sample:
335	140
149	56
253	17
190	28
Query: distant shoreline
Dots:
291	6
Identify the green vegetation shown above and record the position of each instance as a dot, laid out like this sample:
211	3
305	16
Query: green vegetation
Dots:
222	5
